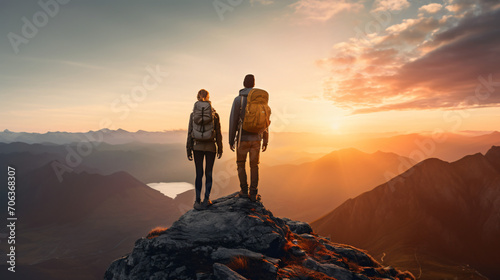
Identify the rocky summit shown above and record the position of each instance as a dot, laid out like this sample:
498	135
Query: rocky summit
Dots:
239	239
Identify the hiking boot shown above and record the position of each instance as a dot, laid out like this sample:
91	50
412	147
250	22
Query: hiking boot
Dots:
243	194
206	203
197	206
255	197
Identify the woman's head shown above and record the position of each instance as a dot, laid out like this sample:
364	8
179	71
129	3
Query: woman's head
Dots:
203	95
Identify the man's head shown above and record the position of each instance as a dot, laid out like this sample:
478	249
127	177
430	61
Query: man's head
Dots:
249	81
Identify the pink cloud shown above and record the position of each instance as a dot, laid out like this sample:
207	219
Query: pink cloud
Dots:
431	8
323	10
422	63
391	5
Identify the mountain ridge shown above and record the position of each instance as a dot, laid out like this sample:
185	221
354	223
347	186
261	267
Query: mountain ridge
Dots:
446	145
319	186
79	225
435	208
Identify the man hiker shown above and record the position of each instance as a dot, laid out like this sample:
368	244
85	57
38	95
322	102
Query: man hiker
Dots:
248	127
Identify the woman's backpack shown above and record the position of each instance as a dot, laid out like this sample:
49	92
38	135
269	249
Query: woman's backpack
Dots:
203	121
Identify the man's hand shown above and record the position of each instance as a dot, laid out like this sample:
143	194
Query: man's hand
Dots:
232	147
264	147
190	155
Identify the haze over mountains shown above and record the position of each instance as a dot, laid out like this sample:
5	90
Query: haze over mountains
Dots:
72	225
439	219
314	187
147	162
309	190
289	147
118	136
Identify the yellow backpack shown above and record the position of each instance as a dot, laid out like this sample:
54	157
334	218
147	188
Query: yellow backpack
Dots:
257	112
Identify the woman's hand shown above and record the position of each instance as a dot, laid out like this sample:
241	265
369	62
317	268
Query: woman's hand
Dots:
190	155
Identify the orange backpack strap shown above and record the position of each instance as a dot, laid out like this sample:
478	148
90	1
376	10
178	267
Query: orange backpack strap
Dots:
240	122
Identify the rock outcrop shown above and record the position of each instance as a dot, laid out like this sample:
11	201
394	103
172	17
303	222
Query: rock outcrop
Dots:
238	239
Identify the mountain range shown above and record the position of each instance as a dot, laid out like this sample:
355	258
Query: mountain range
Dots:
439	220
290	147
147	162
310	190
119	136
315	187
72	229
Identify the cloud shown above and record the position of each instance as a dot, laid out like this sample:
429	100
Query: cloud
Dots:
429	62
461	6
323	10
453	8
431	8
391	5
410	31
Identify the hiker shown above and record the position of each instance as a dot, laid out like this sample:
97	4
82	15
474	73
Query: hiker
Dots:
248	127
205	141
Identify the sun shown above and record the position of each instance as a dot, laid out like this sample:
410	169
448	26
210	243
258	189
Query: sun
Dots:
335	126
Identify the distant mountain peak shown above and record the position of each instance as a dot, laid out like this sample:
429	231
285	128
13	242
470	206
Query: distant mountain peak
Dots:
493	156
477	157
432	162
494	149
347	152
119	130
238	239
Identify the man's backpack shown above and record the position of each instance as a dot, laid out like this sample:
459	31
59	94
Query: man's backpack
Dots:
257	112
203	121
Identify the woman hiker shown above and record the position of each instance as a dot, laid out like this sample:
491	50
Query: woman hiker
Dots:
205	141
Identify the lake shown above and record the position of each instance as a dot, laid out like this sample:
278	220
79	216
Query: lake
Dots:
172	189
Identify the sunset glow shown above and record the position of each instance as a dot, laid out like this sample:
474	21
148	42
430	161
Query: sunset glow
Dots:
338	67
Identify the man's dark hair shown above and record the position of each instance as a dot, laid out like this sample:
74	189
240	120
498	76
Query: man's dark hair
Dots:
249	81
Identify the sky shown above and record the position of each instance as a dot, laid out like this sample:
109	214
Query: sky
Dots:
336	66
